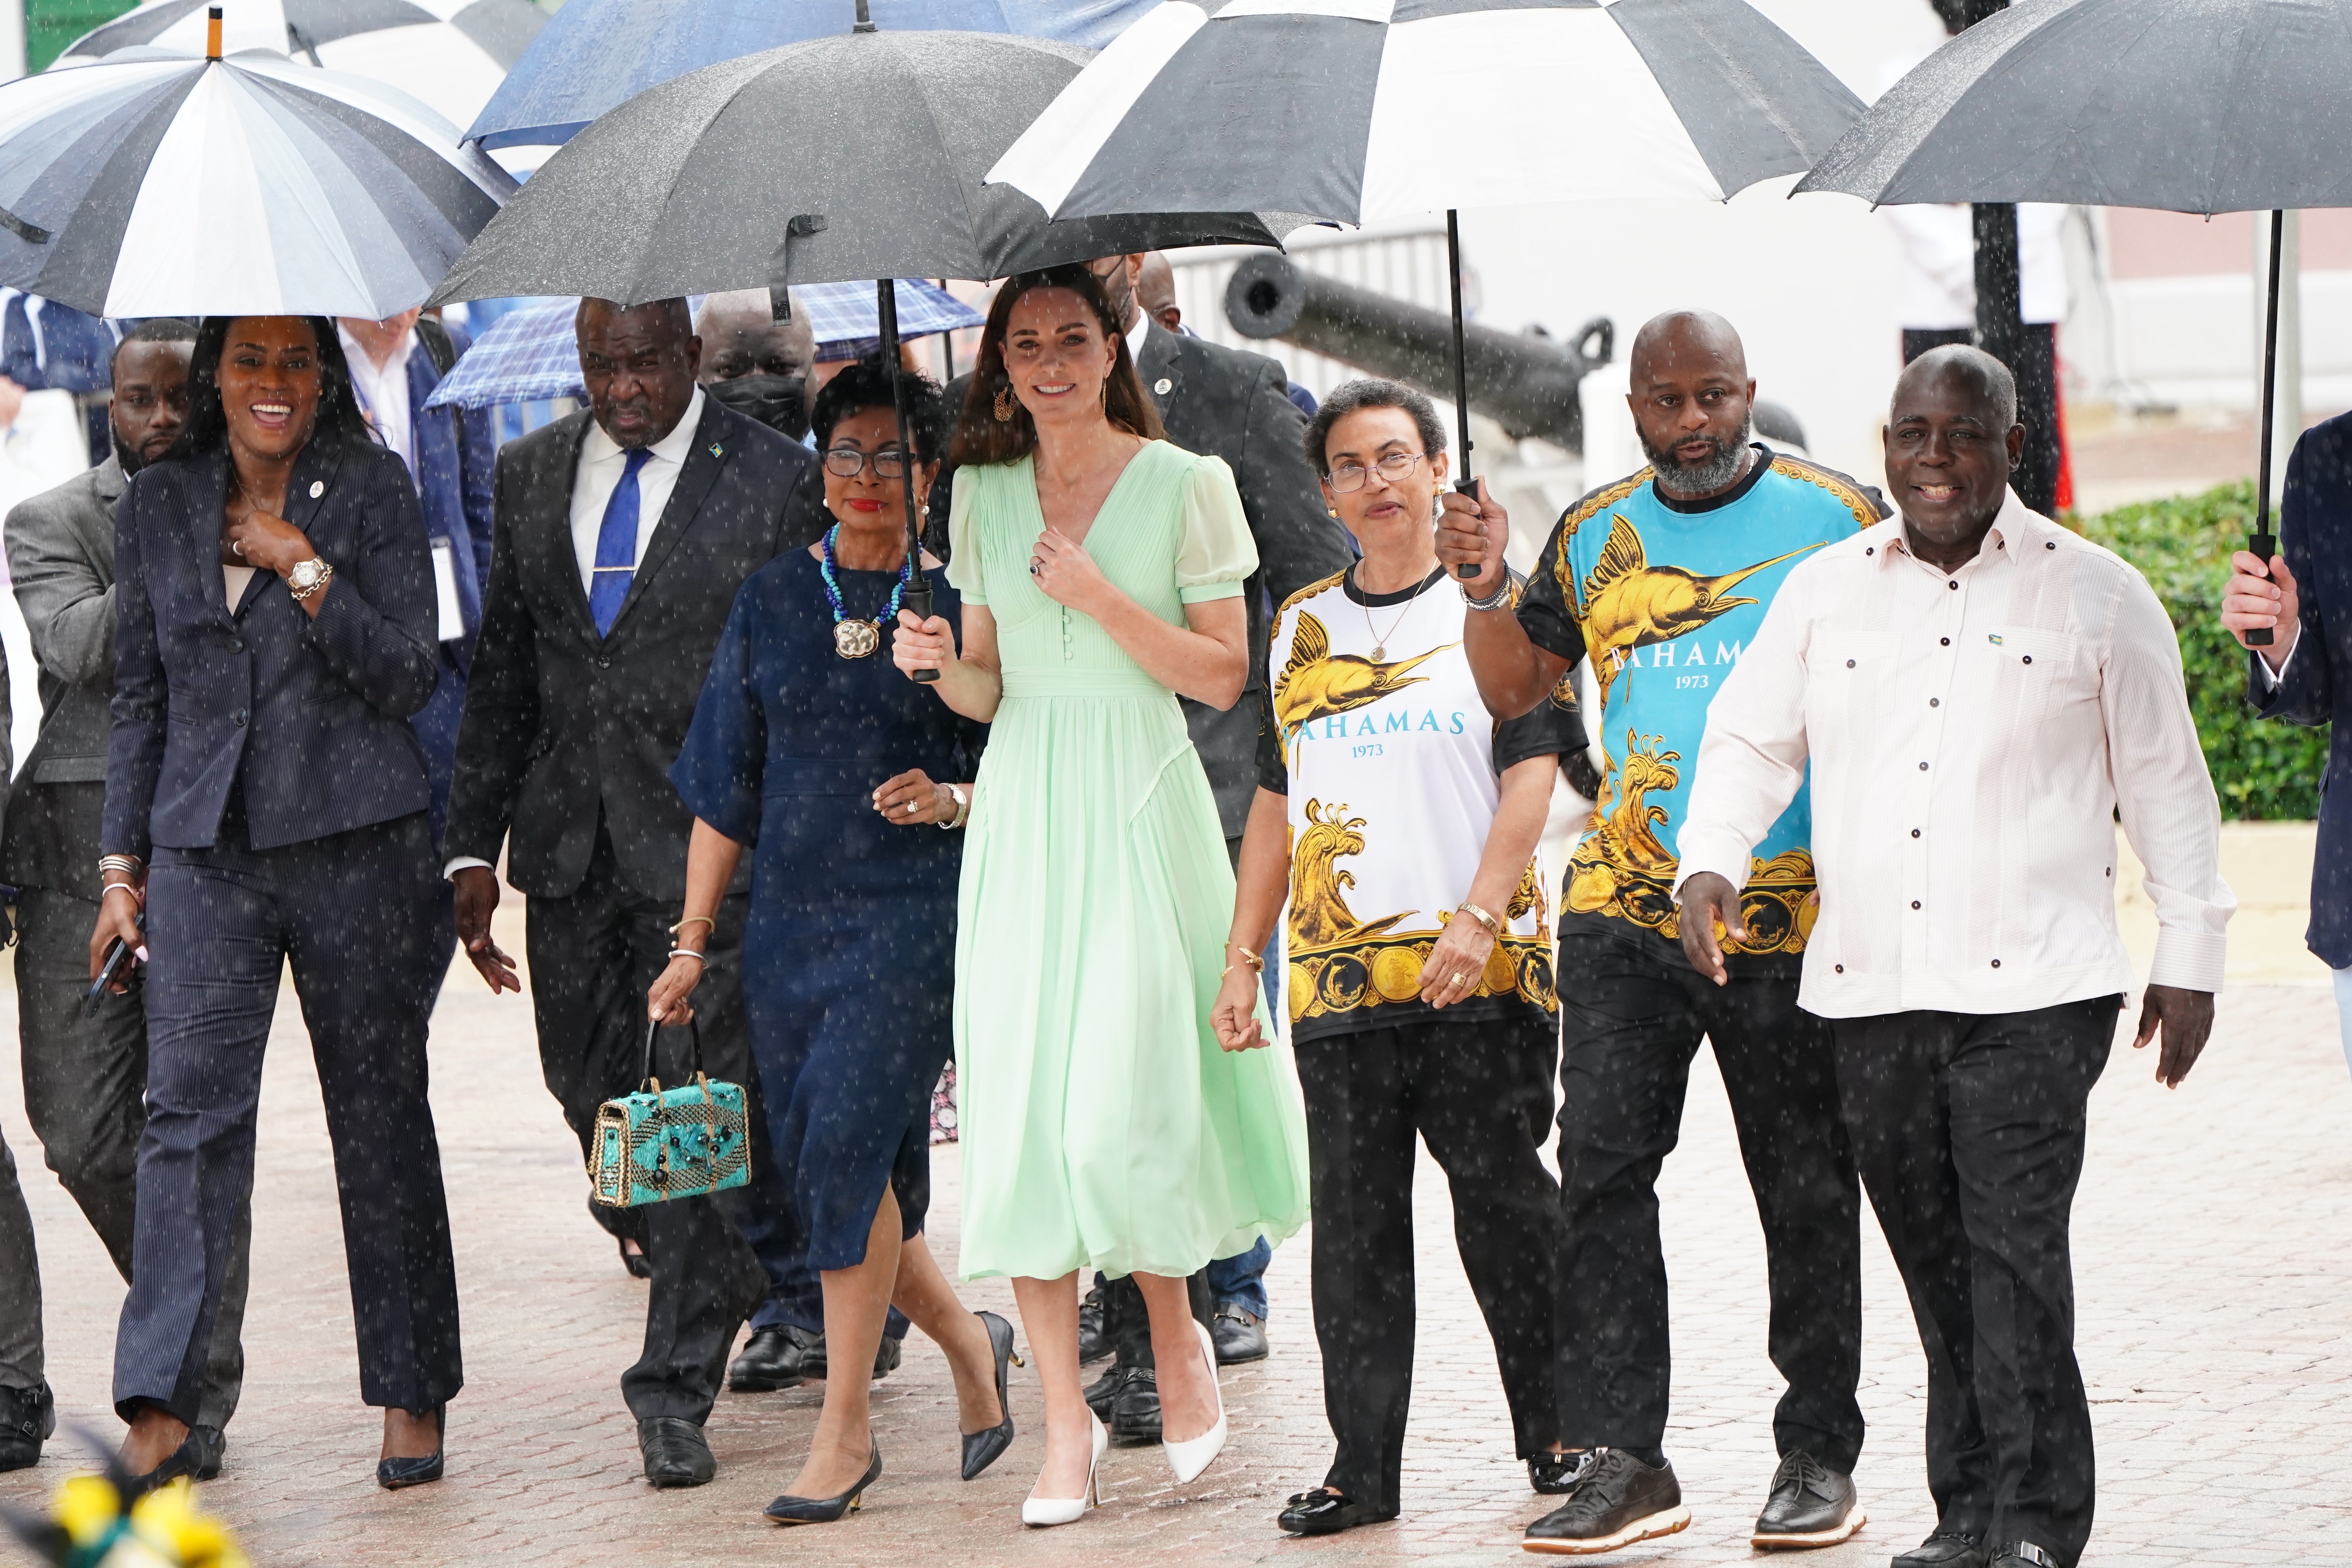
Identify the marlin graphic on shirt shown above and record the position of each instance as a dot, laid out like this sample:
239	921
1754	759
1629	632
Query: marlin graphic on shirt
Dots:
1630	604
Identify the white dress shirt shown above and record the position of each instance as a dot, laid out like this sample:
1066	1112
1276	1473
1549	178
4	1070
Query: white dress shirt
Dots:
603	460
383	393
1971	734
602	463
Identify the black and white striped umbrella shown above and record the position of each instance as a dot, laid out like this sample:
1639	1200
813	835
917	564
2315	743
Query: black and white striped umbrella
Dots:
155	184
1353	111
450	54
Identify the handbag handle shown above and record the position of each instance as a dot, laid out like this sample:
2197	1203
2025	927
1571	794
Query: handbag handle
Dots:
694	1032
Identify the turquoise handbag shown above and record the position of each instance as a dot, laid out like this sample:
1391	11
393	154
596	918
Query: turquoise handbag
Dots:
663	1144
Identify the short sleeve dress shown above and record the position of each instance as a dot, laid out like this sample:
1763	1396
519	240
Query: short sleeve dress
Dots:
848	947
1102	1125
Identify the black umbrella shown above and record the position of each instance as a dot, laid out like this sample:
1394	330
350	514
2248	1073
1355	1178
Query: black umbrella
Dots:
849	157
2193	106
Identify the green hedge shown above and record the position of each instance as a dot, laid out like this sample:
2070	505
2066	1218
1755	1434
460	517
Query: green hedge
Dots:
2261	768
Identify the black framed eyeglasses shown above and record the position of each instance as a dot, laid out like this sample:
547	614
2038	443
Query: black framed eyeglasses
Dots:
1348	478
848	462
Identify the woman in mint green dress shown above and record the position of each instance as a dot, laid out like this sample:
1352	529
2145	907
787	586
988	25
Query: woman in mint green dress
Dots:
1101	572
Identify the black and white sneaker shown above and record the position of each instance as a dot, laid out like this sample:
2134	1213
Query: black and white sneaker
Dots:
1809	1505
1620	1501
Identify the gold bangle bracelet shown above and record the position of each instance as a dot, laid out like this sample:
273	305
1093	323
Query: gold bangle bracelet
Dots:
1257	965
689	920
1494	926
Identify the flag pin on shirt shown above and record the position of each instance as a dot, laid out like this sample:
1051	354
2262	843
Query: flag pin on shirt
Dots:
716	449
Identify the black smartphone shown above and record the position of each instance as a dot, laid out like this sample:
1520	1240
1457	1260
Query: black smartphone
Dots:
118	953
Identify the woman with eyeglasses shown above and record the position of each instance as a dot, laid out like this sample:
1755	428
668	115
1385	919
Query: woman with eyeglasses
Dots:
846	783
1101	572
1399	824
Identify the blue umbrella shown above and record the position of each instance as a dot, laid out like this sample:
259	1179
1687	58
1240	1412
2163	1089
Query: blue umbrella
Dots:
531	352
596	54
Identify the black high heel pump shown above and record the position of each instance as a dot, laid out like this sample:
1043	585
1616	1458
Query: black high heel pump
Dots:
982	1449
827	1510
392	1474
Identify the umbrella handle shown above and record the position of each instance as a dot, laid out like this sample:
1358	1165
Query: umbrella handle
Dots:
1469	570
917	597
2260	542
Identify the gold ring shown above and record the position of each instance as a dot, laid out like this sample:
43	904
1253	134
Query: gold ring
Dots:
911	807
1460	978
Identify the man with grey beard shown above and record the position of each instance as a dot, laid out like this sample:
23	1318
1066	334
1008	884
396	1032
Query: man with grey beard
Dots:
1659	580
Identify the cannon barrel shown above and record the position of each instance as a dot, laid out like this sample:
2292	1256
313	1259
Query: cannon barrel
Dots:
1526	385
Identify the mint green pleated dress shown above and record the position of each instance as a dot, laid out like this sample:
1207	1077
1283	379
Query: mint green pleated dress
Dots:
1102	1127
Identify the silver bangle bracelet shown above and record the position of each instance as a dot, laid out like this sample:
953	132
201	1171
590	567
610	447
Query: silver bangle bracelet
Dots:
127	864
117	888
1493	601
690	952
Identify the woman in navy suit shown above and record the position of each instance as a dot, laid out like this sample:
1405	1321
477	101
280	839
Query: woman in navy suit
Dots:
265	802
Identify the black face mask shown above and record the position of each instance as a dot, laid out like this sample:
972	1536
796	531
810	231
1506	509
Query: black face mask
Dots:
778	401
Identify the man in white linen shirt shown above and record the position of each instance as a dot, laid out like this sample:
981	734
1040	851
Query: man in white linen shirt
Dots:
1979	694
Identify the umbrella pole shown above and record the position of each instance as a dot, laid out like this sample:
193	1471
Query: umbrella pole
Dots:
2261	542
1469	571
917	597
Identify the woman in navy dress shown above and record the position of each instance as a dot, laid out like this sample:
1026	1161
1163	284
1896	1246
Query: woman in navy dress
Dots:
839	775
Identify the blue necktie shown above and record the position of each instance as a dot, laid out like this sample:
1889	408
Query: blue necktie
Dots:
617	546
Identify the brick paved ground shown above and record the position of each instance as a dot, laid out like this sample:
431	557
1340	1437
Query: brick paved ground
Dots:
2214	1240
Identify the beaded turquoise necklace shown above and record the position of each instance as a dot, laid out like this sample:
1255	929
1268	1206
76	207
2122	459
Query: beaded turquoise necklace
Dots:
856	638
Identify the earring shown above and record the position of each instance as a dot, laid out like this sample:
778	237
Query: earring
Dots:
1005	406
1331	510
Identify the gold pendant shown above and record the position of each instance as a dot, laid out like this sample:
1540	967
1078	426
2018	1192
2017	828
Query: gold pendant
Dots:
1378	653
855	639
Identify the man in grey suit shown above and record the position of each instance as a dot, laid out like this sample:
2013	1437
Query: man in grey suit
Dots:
85	1075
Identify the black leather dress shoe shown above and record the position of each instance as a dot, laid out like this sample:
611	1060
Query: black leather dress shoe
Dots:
1945	1548
1326	1512
1809	1505
2026	1554
1102	1393
639	1265
1135	1414
887	1356
1620	1501
207	1447
1555	1475
28	1418
1092	1343
1239	1333
770	1361
676	1454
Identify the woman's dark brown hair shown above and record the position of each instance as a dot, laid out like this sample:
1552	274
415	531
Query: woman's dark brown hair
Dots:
981	437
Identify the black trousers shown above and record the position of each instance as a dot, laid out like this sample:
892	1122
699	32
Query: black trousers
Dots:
1633	1015
85	1088
1480	1096
1969	1130
592	956
350	912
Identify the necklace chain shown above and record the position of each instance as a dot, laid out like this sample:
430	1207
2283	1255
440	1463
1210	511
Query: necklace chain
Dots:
1380	643
827	565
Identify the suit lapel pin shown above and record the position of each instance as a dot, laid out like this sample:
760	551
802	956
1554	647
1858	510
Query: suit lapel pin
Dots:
318	489
1163	386
717	450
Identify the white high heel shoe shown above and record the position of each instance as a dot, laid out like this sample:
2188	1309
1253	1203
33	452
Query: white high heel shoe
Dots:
1189	1457
1045	1512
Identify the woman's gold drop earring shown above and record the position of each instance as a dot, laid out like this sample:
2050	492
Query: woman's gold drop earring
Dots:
1005	406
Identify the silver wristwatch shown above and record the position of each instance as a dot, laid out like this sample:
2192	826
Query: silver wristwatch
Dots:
309	577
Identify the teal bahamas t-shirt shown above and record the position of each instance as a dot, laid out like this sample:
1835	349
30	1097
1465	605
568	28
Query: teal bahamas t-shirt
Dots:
1661	595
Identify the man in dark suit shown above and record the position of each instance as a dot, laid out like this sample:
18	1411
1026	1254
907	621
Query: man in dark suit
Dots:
1233	405
621	537
85	1075
2304	599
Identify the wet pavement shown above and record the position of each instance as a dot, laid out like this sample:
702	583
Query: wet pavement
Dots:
2214	1264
